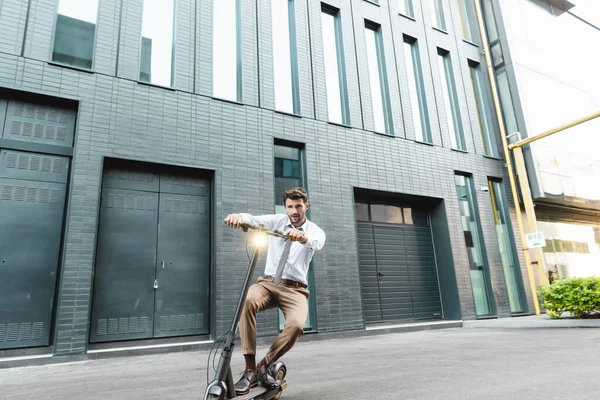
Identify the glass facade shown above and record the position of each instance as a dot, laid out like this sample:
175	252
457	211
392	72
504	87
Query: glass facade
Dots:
226	50
510	263
471	226
156	61
75	33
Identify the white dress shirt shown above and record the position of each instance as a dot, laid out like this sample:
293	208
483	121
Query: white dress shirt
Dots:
300	255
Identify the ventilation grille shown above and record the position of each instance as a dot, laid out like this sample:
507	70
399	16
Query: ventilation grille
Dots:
20	332
122	326
131	202
32	162
180	206
39	122
190	182
130	176
182	322
30	194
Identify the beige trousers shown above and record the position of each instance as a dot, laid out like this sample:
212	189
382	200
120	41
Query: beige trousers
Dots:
263	295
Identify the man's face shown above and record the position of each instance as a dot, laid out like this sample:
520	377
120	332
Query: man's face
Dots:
296	211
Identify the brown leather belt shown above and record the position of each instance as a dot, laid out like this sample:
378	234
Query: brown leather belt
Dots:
289	282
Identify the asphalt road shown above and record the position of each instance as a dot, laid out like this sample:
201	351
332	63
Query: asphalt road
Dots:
445	364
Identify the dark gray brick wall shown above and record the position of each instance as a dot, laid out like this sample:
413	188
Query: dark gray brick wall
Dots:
119	117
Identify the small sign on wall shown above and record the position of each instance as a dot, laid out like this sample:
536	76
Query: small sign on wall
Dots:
535	239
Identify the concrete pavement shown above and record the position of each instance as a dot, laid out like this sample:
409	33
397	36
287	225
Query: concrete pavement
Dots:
444	364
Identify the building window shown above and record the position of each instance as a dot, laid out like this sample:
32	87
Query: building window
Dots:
469	216
468	19
285	58
506	104
504	234
335	71
380	97
75	33
405	7
492	34
289	172
227	66
484	113
451	104
437	11
416	88
156	61
390	214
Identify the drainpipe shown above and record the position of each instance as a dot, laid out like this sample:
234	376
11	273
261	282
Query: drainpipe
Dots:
511	177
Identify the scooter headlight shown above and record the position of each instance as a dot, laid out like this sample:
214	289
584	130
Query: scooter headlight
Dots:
260	239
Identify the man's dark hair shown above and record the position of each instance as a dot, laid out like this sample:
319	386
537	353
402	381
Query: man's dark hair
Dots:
296	193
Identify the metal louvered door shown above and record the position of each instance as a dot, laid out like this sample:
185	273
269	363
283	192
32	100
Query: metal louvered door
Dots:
368	273
398	272
182	296
32	201
123	299
392	271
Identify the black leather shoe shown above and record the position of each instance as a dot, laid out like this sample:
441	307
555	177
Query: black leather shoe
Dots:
265	378
248	381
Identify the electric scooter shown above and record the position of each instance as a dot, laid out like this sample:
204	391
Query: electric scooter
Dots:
222	386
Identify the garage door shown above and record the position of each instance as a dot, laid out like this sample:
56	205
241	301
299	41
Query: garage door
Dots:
32	203
153	256
398	272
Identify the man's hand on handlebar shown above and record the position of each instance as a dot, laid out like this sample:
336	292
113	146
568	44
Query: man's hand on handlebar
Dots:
297	236
234	220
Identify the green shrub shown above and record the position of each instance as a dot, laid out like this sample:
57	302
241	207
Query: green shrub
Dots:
579	296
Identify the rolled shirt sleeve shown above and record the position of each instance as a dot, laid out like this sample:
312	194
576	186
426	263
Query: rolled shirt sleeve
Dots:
268	221
316	239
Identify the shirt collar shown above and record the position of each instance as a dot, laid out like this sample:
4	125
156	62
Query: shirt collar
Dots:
301	227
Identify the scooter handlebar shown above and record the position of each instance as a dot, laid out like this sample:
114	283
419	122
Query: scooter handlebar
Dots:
261	229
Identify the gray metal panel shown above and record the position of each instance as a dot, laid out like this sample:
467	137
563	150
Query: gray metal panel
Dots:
31	215
394	285
368	273
32	166
3	104
41	124
123	299
130	178
183	268
420	257
182	184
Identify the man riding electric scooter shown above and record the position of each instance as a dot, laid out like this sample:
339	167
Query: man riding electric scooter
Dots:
283	285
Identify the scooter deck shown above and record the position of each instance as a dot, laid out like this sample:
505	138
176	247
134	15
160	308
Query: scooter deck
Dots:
260	393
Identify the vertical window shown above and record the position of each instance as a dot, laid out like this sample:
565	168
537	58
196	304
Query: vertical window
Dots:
289	172
406	7
437	10
335	71
416	88
156	61
451	101
484	113
506	104
75	33
474	243
378	78
285	59
505	240
226	50
468	19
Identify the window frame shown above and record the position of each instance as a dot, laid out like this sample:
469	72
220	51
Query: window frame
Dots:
483	111
417	68
238	54
447	77
341	63
53	41
383	80
173	50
